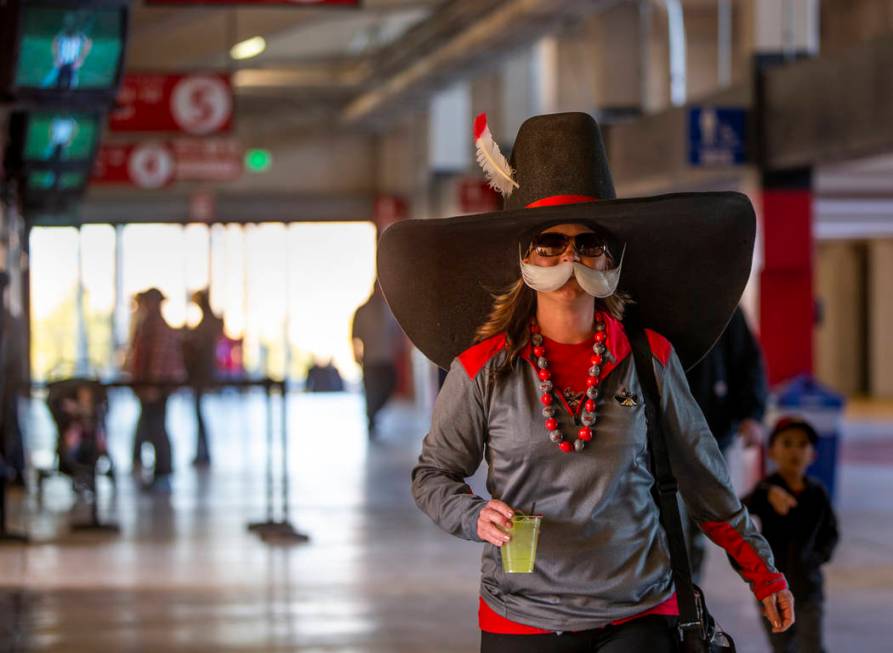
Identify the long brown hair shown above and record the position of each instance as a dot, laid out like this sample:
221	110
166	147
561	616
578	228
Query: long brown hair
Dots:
511	313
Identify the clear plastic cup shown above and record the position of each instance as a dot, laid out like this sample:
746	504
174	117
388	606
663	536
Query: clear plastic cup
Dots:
519	553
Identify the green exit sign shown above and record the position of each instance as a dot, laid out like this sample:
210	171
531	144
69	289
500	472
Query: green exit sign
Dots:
258	160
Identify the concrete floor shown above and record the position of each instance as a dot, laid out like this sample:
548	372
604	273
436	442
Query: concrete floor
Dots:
186	575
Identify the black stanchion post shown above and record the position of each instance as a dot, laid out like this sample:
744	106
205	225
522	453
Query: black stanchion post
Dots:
282	531
283	438
292	533
5	535
95	524
270	522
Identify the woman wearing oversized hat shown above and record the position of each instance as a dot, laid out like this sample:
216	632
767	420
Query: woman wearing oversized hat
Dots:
525	308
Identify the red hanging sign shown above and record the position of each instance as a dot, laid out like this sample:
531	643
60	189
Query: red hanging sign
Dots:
160	163
199	105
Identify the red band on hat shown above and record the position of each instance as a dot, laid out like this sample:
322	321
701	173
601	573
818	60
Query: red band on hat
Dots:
558	200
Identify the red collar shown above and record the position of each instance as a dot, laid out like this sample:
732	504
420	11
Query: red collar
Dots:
617	344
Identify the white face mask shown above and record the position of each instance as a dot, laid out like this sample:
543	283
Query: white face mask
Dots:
597	283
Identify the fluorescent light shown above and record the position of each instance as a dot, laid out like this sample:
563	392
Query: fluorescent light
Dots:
248	48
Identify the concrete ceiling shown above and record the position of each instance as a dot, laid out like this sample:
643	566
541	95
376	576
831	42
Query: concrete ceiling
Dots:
164	38
360	65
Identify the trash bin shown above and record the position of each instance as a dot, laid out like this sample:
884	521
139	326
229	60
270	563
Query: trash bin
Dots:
822	407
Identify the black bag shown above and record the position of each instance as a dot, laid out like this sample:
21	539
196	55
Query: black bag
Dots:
698	632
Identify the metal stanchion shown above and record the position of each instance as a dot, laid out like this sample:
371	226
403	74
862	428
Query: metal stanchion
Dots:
272	530
95	525
6	536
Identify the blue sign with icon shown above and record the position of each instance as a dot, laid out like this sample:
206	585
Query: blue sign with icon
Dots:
717	136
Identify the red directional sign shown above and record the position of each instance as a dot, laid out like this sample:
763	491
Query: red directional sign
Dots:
196	104
294	3
156	164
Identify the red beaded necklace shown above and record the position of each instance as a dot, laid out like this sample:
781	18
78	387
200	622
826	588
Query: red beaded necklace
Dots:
587	417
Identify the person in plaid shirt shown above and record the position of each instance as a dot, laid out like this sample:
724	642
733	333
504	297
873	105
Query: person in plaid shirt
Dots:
155	355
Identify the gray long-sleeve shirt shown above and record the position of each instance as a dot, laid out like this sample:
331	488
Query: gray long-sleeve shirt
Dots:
602	554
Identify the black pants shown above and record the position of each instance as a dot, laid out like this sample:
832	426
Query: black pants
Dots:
654	634
152	428
202	452
379	382
12	441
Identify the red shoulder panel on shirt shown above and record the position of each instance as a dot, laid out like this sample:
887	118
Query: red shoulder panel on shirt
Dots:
660	346
476	356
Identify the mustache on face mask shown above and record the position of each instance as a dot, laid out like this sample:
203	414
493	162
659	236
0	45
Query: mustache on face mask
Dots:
597	283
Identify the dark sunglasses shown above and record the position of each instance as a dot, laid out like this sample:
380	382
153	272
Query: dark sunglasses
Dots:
552	243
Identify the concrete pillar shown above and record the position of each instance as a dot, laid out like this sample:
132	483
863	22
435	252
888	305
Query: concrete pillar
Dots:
787	26
449	134
847	22
487	96
702	50
519	95
787	310
654	28
599	63
880	301
401	163
841	294
545	75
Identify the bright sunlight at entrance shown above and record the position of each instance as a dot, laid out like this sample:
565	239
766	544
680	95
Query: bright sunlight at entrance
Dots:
286	292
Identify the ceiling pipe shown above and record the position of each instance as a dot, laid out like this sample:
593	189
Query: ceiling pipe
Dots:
507	26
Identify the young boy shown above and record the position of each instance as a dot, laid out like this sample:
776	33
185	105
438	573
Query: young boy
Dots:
800	526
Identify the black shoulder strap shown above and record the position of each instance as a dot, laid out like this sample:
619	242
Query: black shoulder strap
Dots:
665	491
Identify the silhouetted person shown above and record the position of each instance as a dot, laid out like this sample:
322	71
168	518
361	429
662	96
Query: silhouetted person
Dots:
154	356
730	387
323	378
377	342
200	353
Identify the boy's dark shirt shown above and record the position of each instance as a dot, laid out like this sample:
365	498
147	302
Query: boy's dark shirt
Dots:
802	540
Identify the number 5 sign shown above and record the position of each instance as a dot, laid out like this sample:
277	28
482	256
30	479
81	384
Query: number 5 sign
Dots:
199	105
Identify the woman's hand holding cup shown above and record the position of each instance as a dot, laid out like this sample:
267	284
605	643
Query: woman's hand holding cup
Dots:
493	521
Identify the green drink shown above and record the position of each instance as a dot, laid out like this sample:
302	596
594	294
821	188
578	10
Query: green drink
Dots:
519	553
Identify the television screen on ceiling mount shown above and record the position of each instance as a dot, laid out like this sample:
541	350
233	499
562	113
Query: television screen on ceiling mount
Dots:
63	50
63	139
60	137
51	180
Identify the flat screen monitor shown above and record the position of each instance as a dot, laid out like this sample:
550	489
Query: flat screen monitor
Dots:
54	190
55	181
65	49
60	137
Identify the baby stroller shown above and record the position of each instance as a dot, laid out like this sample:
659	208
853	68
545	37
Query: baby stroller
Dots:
79	407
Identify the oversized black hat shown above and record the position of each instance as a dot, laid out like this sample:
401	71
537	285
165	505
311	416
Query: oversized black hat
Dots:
687	259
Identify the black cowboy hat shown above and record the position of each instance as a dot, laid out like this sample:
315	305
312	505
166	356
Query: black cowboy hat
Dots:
687	259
